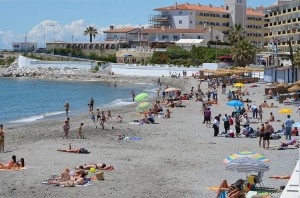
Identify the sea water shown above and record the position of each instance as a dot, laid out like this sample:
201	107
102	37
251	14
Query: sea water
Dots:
29	100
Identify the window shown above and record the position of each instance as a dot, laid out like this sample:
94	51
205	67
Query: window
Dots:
191	22
180	12
165	37
191	13
115	36
227	8
180	22
175	37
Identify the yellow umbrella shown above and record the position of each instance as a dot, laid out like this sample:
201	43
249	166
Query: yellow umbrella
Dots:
285	111
238	85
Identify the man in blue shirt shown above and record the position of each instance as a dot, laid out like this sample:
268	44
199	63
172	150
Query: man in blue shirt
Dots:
288	127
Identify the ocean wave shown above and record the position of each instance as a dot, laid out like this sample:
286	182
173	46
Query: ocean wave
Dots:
120	102
36	117
154	90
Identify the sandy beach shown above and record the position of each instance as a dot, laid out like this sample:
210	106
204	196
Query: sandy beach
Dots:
178	157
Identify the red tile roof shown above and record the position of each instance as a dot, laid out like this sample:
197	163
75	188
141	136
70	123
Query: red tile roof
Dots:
250	11
192	7
121	30
204	8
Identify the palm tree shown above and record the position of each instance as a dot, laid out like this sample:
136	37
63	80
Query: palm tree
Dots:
243	53
90	31
236	34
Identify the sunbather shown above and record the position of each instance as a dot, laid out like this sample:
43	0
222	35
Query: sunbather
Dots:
100	166
10	164
233	191
76	150
80	180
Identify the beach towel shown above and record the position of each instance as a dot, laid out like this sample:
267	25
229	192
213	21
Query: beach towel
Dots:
24	168
135	138
281	177
215	188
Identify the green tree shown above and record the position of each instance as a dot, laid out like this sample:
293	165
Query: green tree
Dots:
243	53
297	59
91	31
236	34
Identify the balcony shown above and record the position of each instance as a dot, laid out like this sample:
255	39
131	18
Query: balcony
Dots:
159	18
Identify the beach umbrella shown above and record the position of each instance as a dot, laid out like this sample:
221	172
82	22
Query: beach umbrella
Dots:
247	165
141	96
238	85
144	106
170	89
297	124
294	88
235	103
285	111
297	82
242	154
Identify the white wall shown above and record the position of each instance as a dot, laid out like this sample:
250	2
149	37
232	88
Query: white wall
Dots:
184	17
33	63
151	70
213	66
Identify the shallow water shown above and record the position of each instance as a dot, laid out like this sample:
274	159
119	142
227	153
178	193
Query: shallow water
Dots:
28	100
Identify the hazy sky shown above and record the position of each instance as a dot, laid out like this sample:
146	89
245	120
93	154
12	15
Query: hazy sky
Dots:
70	17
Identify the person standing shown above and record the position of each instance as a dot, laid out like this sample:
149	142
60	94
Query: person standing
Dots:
226	123
67	108
133	95
268	130
216	124
261	133
237	125
207	116
260	113
288	127
91	104
2	132
66	128
103	119
98	115
254	111
80	135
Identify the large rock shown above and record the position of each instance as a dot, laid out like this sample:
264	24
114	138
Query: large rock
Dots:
7	74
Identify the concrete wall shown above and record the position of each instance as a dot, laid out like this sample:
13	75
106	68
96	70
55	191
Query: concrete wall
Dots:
213	66
24	62
151	70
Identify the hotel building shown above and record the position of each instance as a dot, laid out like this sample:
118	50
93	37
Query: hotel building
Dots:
283	23
191	16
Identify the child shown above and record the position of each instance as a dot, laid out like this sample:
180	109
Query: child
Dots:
80	132
93	117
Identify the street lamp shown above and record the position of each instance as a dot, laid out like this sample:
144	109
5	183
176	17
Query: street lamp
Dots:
72	46
53	25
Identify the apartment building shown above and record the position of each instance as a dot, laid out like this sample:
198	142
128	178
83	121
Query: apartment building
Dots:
283	23
191	16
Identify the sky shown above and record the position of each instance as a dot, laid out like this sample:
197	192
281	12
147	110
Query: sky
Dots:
37	18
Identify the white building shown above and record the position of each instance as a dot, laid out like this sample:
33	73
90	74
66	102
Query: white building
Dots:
24	46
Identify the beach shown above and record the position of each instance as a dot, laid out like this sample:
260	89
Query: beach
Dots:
178	157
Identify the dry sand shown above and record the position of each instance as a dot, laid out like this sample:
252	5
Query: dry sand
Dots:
179	157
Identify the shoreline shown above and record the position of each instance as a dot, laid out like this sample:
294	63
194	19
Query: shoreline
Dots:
178	157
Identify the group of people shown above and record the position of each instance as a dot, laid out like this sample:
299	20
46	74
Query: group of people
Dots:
13	164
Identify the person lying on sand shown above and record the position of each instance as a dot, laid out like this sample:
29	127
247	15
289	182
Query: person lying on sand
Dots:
10	164
100	166
80	150
233	191
80	180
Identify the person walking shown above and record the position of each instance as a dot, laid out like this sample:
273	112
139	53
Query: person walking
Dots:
216	124
91	104
2	132
288	127
133	95
67	108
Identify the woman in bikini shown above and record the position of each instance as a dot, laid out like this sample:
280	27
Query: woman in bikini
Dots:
10	164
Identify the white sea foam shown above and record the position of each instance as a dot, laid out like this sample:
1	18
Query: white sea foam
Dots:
120	102
36	117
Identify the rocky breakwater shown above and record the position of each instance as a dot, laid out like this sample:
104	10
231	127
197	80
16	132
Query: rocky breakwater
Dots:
41	73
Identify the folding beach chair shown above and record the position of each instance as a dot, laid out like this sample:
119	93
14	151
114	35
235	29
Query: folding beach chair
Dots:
259	179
